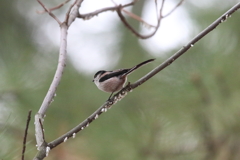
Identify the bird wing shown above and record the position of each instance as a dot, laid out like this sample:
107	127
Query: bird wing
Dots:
114	74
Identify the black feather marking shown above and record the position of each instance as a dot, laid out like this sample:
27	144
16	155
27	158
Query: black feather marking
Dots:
99	72
114	74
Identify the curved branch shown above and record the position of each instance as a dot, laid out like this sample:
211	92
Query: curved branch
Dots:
53	87
133	30
59	71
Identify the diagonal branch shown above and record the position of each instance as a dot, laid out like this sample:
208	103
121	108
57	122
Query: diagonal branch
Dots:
134	16
121	94
49	12
54	8
107	105
52	89
169	13
88	16
72	133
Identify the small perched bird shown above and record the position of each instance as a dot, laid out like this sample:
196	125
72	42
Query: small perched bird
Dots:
113	81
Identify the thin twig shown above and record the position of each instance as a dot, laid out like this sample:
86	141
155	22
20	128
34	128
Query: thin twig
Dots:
54	8
133	30
49	12
42	129
95	13
121	94
169	13
25	134
134	16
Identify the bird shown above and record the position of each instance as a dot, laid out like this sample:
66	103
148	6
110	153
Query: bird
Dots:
113	81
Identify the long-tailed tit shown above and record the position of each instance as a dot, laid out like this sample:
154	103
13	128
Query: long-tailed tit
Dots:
113	81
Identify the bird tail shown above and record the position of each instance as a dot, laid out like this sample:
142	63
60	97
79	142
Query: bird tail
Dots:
137	66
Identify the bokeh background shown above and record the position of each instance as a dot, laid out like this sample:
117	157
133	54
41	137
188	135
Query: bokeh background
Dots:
188	111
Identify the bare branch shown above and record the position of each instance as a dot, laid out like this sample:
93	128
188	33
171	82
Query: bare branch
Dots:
180	2
134	16
41	144
59	71
71	16
121	94
54	8
25	134
107	105
133	30
95	13
68	12
52	90
61	61
49	12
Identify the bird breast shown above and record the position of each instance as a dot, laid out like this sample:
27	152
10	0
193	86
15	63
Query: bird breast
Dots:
113	84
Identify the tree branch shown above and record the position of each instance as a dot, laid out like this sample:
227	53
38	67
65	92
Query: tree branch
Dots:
39	117
49	12
169	13
59	71
88	16
129	88
54	8
53	87
71	16
25	134
133	30
134	16
107	105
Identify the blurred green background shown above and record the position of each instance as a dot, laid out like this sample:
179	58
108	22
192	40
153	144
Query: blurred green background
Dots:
188	111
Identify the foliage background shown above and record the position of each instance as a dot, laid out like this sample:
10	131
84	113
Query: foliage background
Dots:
188	111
